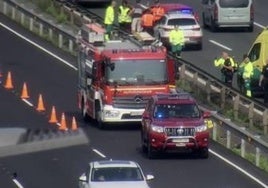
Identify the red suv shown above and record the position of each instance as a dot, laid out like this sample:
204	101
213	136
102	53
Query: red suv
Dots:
173	122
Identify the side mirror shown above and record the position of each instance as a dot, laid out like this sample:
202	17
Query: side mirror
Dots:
83	178
89	82
149	177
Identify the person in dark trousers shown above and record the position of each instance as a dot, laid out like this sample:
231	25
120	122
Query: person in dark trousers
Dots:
263	82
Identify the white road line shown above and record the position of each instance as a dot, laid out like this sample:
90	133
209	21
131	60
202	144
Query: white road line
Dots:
221	45
17	183
38	46
99	153
239	168
27	102
259	25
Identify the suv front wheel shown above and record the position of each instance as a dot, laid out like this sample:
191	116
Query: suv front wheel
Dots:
203	153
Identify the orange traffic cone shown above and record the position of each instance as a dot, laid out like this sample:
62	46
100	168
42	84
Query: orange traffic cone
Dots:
40	105
63	126
53	117
8	84
74	125
24	93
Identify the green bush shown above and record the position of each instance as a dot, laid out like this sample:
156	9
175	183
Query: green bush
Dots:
61	18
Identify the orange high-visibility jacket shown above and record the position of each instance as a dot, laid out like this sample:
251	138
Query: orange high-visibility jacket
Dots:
147	20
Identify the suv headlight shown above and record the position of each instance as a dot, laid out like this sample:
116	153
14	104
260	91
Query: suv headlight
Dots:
200	128
157	129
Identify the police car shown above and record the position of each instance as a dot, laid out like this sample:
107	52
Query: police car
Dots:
187	22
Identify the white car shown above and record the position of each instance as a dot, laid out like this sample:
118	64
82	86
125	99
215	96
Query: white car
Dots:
187	23
114	174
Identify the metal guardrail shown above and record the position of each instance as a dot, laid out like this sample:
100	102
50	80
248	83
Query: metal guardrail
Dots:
237	138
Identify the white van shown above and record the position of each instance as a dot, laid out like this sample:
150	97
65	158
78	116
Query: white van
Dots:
228	13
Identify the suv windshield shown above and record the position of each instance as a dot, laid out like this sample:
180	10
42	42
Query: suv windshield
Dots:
116	174
137	71
234	3
176	111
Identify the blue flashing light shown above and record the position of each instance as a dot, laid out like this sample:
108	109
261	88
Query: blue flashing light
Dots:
159	115
186	11
182	11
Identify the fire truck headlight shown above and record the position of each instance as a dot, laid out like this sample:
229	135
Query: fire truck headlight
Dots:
201	128
111	113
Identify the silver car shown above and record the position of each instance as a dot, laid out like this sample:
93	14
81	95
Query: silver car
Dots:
187	22
114	174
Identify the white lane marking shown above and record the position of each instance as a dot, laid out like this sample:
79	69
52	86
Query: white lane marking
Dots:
28	102
221	45
259	25
239	168
99	153
17	183
38	46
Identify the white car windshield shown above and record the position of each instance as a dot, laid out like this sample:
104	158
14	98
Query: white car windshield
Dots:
181	21
116	174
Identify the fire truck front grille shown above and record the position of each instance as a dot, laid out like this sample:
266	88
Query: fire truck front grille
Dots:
180	131
134	102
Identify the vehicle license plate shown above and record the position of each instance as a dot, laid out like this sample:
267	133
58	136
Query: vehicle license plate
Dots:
135	113
180	144
181	140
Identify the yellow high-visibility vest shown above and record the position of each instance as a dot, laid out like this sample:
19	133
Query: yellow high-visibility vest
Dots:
109	16
123	16
176	37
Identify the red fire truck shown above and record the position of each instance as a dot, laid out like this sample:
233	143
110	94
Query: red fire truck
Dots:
117	77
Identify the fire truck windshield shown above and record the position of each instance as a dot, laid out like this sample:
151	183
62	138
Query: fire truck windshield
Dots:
139	71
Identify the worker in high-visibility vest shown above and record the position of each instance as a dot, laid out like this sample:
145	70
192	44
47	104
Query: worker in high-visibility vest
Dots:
247	74
109	19
157	11
176	39
226	65
147	21
124	16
